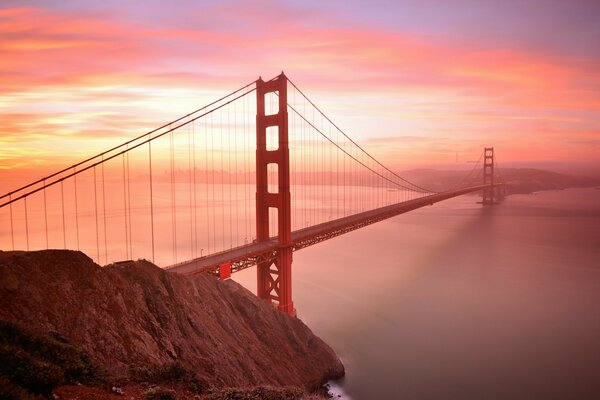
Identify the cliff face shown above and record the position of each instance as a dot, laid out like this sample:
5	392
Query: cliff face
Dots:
136	313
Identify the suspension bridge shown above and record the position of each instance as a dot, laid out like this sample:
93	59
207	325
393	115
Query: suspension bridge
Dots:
243	181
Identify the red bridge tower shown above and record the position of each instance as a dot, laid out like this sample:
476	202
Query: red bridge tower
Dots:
488	176
274	278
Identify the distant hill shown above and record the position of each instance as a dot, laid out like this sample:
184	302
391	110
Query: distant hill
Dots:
518	180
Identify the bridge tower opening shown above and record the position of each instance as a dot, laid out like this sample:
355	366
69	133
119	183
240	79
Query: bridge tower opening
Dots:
274	279
488	176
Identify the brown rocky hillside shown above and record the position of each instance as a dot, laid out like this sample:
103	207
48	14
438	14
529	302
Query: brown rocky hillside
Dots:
135	314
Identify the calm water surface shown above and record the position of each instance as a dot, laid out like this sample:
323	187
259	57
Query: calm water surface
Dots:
460	301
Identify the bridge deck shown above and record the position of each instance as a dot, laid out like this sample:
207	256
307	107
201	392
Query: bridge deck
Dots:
250	254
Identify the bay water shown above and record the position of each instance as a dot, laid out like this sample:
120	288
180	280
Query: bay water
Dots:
462	301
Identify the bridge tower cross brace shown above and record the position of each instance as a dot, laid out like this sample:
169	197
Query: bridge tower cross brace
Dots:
488	176
274	279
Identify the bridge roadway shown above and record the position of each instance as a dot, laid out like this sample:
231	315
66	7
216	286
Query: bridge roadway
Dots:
247	255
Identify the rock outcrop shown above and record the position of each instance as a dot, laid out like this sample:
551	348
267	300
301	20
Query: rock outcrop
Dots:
135	313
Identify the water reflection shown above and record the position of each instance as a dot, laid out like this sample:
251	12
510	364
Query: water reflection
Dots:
461	301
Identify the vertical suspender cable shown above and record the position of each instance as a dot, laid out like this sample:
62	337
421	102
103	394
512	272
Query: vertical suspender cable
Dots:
12	229
344	175
173	213
190	187
207	187
315	175
245	152
45	214
195	189
329	177
222	180
104	213
251	177
62	199
125	209
174	195
321	146
96	214
26	225
195	246
293	167
305	170
151	197
229	200
350	184
212	177
76	208
235	171
129	206
337	177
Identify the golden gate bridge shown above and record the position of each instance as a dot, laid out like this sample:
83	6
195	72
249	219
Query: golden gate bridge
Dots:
243	181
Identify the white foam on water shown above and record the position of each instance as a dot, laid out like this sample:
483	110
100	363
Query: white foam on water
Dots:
337	391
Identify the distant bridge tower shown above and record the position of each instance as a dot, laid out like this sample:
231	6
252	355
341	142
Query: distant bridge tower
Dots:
274	278
488	176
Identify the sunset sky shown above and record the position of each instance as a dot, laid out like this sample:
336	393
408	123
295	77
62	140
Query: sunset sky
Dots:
414	82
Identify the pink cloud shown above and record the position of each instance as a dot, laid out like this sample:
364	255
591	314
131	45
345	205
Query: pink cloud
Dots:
47	52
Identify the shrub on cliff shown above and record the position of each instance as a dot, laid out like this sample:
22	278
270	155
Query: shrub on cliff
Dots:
36	364
11	391
158	393
173	373
258	393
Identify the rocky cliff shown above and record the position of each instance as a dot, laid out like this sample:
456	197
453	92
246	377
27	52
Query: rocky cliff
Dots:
135	314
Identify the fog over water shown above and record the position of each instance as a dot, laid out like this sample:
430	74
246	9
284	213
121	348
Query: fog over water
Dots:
460	301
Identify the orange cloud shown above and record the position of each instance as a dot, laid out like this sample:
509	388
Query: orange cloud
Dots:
74	76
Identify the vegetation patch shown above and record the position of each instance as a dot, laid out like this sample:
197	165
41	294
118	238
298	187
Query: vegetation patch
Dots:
173	373
259	393
158	393
33	364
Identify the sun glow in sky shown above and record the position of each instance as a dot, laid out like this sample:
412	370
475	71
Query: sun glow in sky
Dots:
415	81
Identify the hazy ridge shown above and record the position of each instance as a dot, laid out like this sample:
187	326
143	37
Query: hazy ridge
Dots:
518	180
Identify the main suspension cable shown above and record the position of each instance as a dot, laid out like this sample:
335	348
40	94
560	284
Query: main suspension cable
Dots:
151	138
422	190
126	143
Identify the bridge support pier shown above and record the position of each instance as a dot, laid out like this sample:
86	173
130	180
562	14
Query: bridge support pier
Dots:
274	279
488	176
